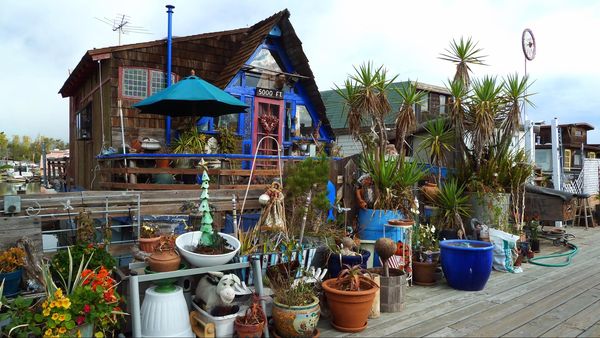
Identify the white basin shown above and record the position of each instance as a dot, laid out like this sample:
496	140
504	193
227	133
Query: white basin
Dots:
190	239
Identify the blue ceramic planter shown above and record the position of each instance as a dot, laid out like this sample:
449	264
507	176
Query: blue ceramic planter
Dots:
467	264
334	267
371	227
12	282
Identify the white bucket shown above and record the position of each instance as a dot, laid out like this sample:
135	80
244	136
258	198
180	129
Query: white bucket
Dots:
163	314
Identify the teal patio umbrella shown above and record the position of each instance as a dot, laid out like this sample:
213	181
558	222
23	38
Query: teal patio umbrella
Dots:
191	96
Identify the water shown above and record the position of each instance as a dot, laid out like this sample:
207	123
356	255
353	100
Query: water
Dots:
7	188
468	245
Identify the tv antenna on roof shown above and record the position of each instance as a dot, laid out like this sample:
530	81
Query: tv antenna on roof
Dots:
122	24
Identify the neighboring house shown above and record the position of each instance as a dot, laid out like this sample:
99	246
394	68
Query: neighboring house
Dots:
434	106
263	65
573	142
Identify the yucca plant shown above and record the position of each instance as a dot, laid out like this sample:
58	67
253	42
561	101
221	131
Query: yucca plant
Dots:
453	204
437	143
463	53
406	121
365	96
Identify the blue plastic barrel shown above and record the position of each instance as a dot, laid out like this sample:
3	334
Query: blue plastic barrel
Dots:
371	227
467	264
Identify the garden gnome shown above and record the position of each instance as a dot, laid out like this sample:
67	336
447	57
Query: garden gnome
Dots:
365	194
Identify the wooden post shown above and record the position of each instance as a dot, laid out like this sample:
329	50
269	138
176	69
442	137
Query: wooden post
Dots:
375	308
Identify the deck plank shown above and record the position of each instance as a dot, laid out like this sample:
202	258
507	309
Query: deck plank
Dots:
567	296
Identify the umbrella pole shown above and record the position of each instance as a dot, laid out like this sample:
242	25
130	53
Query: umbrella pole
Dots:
169	44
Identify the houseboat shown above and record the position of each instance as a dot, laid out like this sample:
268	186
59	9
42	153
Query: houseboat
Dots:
263	65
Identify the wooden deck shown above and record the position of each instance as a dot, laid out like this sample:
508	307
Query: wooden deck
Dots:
541	301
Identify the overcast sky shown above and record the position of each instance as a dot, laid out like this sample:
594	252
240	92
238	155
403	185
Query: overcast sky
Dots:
42	40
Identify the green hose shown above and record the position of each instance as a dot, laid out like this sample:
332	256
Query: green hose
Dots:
569	254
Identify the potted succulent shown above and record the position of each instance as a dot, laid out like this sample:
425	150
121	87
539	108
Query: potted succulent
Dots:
350	297
12	261
251	324
453	204
426	255
165	256
149	237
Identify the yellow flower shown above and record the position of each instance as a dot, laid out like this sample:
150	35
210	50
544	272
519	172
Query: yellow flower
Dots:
54	316
61	318
62	330
58	293
52	304
66	303
45	304
99	334
48	332
46	312
78	333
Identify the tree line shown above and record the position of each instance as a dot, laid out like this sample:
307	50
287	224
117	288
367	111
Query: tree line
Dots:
24	148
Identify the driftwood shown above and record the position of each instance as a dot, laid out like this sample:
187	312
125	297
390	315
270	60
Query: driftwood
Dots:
33	262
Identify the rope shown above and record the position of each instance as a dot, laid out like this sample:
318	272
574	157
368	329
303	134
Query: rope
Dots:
569	256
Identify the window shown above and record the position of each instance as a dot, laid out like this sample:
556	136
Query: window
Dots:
83	122
229	121
591	154
142	82
304	121
577	159
567	159
442	104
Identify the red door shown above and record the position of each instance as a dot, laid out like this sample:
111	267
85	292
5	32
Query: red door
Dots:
268	121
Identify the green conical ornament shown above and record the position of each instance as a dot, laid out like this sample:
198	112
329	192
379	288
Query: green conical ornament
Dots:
207	230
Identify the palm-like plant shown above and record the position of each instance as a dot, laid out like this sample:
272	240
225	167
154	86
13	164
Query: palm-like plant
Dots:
365	95
515	92
463	53
437	143
406	121
453	204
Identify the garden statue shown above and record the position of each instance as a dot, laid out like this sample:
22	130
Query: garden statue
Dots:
348	247
365	193
204	208
216	288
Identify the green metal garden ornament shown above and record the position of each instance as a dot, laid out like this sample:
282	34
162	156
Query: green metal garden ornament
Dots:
206	224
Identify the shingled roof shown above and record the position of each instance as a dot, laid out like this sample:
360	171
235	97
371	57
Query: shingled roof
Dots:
220	56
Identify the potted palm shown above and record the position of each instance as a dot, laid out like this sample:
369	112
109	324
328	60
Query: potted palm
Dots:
350	297
12	261
453	204
438	144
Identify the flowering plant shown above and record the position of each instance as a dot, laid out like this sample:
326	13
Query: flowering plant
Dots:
149	230
96	302
427	243
11	259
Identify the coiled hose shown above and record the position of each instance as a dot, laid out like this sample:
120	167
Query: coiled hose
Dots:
568	254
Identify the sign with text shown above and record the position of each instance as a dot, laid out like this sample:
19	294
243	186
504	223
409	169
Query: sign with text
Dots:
270	93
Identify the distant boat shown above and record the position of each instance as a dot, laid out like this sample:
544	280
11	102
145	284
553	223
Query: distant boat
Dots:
20	173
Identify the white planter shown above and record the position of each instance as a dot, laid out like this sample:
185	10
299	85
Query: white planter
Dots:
187	241
165	314
223	324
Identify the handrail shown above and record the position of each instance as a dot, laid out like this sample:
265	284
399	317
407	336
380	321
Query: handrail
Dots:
232	156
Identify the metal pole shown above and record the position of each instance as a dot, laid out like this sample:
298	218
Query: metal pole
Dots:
45	164
134	308
169	45
258	287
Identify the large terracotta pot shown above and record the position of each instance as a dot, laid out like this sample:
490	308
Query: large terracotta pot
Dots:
424	273
163	261
296	321
149	244
349	309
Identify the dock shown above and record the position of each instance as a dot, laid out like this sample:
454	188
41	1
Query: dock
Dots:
540	302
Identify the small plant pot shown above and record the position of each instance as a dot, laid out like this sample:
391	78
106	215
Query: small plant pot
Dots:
424	273
164	261
12	282
430	190
248	330
149	244
392	289
163	163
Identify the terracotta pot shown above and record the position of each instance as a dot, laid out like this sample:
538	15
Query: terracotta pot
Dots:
424	273
401	222
430	190
149	244
163	163
163	261
349	309
248	331
296	321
